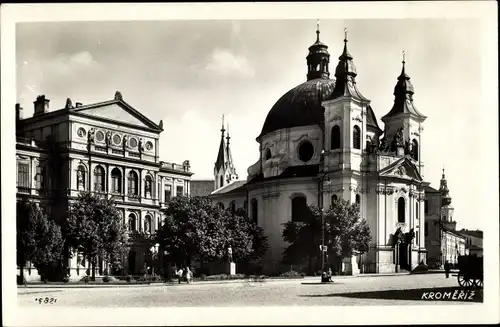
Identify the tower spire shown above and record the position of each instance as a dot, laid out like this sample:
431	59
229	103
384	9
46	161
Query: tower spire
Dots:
445	192
318	58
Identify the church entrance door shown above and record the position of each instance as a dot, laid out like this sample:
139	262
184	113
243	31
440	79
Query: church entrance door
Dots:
403	256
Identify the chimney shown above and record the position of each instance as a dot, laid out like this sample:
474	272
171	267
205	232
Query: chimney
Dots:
41	105
78	104
19	112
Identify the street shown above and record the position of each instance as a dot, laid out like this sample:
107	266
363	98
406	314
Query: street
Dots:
383	290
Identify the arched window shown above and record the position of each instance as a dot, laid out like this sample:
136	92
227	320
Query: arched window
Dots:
356	137
232	205
116	180
358	199
245	206
334	198
99	179
81	178
220	205
417	209
148	189
147	224
414	149
299	209
255	211
132	224
268	154
133	185
221	181
335	137
401	210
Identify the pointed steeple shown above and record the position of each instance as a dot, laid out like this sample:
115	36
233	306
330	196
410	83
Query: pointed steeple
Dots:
445	192
221	155
345	74
318	59
230	168
403	95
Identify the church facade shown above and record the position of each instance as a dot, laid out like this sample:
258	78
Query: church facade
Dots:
320	142
108	148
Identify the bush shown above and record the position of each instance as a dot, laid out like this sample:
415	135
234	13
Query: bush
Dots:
106	279
85	279
65	279
292	274
129	278
21	281
203	277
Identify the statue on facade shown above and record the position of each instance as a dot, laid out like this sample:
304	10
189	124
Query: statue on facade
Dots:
161	124
125	142
398	140
69	103
90	136
118	95
383	144
230	254
108	138
141	145
148	186
80	180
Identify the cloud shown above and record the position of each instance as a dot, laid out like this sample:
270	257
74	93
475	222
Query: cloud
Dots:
225	63
65	64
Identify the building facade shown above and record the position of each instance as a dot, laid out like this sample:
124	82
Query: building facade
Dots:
442	241
320	142
108	148
473	241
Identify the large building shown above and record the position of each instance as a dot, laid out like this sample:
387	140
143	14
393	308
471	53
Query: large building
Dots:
321	141
442	241
473	241
108	148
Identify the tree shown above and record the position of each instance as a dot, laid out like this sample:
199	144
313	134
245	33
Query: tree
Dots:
39	239
194	229
345	233
94	228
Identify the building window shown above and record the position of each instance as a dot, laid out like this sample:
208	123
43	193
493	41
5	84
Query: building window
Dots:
358	199
299	209
148	182
220	205
39	177
255	212
81	178
334	198
416	238
132	224
401	210
23	176
245	206
426	231
232	205
268	154
147	224
221	182
179	191
335	138
168	192
99	179
426	206
116	180
414	149
417	211
133	188
356	137
306	151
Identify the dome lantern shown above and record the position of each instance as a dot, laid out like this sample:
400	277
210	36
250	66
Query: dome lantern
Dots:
318	59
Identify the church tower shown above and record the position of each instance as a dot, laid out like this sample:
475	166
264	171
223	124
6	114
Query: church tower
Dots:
447	210
224	169
318	59
404	123
345	130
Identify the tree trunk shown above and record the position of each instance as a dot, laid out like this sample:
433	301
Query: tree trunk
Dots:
309	263
22	272
93	268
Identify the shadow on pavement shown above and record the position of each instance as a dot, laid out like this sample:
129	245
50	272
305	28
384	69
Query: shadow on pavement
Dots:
449	294
320	283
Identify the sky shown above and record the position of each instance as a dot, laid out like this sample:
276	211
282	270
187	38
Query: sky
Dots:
189	73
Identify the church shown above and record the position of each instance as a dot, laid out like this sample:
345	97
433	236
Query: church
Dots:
320	142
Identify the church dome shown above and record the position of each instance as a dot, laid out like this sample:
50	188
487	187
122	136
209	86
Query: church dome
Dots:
301	106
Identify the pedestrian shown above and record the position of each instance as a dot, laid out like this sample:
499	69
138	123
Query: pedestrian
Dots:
189	275
180	273
447	269
330	273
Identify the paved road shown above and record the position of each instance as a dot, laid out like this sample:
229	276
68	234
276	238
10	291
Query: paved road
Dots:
384	290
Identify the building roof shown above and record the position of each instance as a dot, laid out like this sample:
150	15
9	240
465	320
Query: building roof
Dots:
371	120
232	187
300	106
290	172
475	233
430	189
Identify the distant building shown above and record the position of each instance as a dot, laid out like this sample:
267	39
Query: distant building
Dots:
202	187
442	241
108	148
473	241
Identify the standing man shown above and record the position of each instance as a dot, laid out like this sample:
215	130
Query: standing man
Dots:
230	253
447	269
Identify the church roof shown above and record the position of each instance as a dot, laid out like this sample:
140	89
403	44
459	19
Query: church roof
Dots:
300	106
233	187
430	189
291	172
371	120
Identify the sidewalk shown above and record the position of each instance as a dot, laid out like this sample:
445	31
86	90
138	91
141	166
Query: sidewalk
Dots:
208	282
